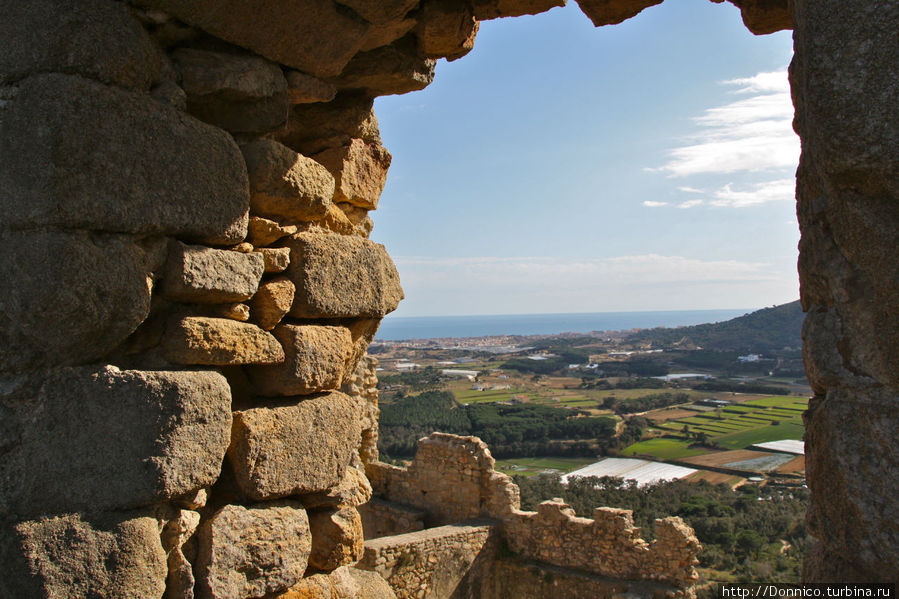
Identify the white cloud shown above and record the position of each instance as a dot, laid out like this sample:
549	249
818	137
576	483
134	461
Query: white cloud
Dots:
651	204
751	134
761	193
690	190
690	204
772	81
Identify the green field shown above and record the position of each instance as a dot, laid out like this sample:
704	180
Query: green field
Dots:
760	435
532	466
663	447
738	427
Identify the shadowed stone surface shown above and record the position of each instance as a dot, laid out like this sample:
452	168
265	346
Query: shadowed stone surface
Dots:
493	9
78	154
294	449
394	69
315	360
251	552
197	274
239	93
845	83
339	276
169	430
95	38
310	35
446	29
312	128
612	12
303	88
68	298
82	556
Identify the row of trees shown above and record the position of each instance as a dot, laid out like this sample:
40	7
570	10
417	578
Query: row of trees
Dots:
511	430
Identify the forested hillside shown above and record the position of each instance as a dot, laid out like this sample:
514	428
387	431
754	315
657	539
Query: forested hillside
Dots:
763	331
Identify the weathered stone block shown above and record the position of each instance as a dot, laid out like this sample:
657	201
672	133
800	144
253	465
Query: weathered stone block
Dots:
394	69
313	36
303	89
446	29
175	534
251	552
263	232
312	128
97	39
239	93
337	538
386	34
219	342
612	12
342	583
380	11
765	16
78	154
294	449
284	185
315	360
494	9
104	438
67	298
275	259
197	274
352	491
360	172
272	302
79	556
339	276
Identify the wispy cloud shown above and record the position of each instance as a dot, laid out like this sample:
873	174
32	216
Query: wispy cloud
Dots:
690	190
651	204
750	134
690	204
760	193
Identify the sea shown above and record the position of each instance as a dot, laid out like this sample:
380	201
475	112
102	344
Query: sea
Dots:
396	328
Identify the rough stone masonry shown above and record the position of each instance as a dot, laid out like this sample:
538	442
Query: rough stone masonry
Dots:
188	288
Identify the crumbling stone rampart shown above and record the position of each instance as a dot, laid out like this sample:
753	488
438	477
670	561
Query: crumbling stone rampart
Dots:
452	479
189	288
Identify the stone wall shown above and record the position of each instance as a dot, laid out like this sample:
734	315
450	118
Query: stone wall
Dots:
189	287
454	561
452	479
845	81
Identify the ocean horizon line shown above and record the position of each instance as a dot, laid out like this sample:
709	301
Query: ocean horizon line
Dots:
398	328
500	314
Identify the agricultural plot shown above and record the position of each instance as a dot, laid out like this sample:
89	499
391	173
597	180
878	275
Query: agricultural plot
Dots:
664	447
736	426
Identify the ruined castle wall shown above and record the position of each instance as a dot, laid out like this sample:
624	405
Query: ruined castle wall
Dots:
459	481
453	561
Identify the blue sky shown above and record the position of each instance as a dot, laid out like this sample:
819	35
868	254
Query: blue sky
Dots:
565	168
